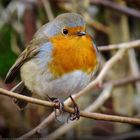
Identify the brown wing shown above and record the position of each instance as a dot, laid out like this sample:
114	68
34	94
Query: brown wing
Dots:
30	52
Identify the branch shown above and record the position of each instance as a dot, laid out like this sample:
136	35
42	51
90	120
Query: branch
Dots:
48	9
42	125
96	116
28	99
134	67
128	45
99	26
122	82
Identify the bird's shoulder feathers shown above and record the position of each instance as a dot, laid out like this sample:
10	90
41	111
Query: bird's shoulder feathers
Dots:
30	52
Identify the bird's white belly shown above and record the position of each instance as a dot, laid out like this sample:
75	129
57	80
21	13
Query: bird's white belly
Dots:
41	82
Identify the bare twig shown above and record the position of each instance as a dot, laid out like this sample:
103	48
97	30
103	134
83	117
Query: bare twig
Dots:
99	26
128	45
96	116
48	9
89	115
6	14
70	110
134	67
42	125
124	81
28	99
38	128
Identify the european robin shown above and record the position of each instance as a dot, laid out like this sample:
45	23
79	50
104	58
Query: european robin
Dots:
60	60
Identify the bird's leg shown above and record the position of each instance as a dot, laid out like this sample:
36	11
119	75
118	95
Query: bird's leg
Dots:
58	106
76	114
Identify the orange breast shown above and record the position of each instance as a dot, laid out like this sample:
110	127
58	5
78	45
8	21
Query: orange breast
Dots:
72	53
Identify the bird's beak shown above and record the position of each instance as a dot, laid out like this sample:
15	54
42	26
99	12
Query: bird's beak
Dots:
81	33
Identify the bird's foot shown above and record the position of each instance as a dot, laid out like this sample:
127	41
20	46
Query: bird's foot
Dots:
76	114
59	109
59	106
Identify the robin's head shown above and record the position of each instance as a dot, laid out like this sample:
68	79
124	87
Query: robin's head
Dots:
68	24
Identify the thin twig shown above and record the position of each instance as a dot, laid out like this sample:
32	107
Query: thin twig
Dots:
96	116
99	26
128	45
134	67
28	99
38	128
70	110
48	9
123	81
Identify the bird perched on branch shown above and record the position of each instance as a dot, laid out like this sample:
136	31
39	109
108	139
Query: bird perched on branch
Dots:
60	61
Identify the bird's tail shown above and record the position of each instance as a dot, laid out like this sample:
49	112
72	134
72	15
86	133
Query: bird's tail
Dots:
20	88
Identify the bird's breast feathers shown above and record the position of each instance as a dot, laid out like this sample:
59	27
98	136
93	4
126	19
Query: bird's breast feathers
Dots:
61	67
70	54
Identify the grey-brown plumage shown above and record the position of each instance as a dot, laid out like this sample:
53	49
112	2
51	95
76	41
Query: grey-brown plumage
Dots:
26	55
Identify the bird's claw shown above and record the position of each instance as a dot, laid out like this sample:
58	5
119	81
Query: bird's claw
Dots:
76	114
59	107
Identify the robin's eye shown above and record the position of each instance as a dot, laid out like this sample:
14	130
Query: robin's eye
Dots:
65	31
